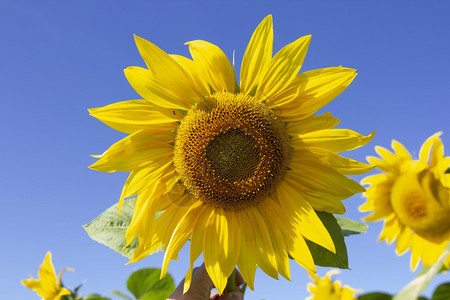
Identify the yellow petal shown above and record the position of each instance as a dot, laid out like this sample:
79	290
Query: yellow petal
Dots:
341	164
404	241
311	91
213	65
392	229
427	147
312	123
168	73
257	55
265	254
318	200
317	176
148	192
32	284
385	154
231	254
181	234
150	176
282	69
271	212
247	257
216	230
336	140
196	244
161	91
400	150
138	150
304	218
300	253
190	67
134	115
47	274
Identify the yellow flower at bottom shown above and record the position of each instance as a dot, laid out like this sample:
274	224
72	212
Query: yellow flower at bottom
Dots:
326	289
47	286
413	198
238	170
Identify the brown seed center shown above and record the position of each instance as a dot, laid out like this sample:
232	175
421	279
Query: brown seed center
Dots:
231	150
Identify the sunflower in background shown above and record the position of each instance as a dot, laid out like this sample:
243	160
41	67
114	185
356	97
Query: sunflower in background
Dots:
413	199
47	286
326	289
237	169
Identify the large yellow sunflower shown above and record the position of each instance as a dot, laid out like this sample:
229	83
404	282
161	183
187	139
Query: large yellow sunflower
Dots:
327	289
238	169
47	286
413	198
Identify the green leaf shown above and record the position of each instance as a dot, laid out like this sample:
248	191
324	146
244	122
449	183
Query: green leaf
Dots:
109	228
95	297
413	289
442	292
375	296
156	295
350	226
120	294
323	257
145	284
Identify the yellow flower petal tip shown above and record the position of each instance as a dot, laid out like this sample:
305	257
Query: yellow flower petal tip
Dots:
327	289
47	285
412	196
221	163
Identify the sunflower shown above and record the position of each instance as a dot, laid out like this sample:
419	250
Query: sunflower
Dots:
413	198
47	286
326	289
237	169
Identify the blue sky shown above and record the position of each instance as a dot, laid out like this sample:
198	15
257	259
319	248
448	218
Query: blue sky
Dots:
59	58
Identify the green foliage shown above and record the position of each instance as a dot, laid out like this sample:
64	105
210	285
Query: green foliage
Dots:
109	228
442	292
375	296
323	257
413	289
71	297
95	297
146	285
350	227
120	294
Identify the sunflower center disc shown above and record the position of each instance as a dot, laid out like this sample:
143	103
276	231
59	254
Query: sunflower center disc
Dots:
233	155
420	202
231	150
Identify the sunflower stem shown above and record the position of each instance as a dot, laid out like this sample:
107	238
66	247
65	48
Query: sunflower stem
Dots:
231	283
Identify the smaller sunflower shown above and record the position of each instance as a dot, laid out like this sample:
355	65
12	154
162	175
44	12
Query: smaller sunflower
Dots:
326	289
47	286
413	198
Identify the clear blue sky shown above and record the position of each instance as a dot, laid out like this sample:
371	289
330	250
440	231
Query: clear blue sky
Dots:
58	58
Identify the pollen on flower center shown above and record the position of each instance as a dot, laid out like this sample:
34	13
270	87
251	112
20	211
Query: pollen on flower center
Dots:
233	155
416	205
231	150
